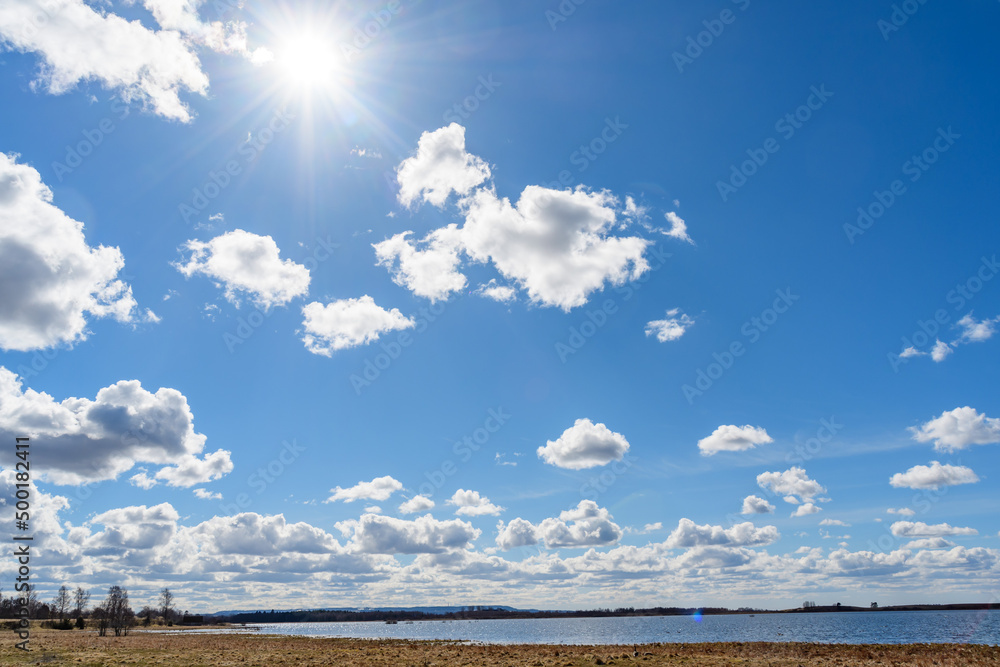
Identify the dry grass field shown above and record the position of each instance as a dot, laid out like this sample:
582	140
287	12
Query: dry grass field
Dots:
177	649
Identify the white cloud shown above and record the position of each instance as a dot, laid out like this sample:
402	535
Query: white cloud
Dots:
373	509
376	534
470	503
911	352
517	533
348	323
734	439
977	331
51	280
430	270
933	476
834	522
806	509
136	527
929	543
587	525
205	494
584	445
441	166
416	504
940	351
902	511
921	529
688	534
142	480
670	328
793	482
93	440
224	37
501	293
556	245
78	44
958	429
250	264
756	505
678	228
553	243
379	488
191	470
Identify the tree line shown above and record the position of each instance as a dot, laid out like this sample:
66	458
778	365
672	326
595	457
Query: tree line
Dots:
114	613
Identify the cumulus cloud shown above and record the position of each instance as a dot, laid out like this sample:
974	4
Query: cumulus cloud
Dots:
470	503
205	494
794	483
670	328
493	290
734	439
921	529
246	263
940	351
428	268
93	440
977	331
416	504
584	445
806	509
688	534
834	522
440	167
929	543
348	323
136	527
587	525
379	488
902	511
51	280
678	228
958	429
557	245
376	534
933	476
77	44
756	505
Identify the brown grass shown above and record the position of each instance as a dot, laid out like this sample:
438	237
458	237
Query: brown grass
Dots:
176	649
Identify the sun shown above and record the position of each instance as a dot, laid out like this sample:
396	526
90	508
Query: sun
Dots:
308	60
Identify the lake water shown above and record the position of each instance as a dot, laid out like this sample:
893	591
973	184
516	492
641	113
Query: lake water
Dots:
886	627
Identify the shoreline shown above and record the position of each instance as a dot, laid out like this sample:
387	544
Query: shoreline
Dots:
180	647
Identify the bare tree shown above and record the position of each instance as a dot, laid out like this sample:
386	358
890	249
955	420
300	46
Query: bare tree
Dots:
120	616
146	614
166	604
61	602
80	599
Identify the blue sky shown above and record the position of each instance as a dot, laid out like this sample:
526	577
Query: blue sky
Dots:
551	305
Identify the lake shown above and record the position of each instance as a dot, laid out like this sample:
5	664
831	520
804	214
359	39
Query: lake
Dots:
887	627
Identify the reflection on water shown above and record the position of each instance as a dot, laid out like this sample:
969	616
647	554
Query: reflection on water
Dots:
886	627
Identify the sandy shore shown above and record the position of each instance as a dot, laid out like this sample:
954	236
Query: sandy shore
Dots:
175	649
